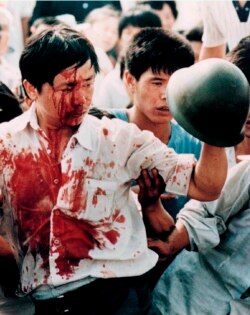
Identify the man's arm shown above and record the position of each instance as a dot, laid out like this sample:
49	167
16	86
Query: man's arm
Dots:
209	174
212	52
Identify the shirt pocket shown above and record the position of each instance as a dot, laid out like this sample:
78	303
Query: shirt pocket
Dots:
100	200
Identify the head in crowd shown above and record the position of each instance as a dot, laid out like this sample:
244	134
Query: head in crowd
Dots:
132	21
152	57
58	68
9	105
102	25
157	50
52	51
43	23
166	10
5	22
194	36
240	56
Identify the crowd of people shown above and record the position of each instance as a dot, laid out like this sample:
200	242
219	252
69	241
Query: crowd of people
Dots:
108	204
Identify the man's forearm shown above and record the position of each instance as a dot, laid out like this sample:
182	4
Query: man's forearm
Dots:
209	174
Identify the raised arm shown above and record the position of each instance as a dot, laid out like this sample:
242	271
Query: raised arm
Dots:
209	174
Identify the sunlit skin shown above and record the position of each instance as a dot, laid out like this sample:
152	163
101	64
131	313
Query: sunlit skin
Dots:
150	110
167	17
104	34
62	106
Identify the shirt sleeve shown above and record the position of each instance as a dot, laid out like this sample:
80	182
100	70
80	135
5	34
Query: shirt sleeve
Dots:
212	35
206	221
148	152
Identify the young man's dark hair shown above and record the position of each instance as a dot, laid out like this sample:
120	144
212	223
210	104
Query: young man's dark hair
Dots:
138	17
76	51
158	5
159	50
240	56
9	105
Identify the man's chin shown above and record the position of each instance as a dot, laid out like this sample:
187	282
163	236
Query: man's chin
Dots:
73	122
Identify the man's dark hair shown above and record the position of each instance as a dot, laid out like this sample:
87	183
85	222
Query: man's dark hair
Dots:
240	56
48	53
158	5
194	34
9	105
138	17
159	50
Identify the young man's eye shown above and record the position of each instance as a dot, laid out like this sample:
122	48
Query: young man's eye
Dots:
158	83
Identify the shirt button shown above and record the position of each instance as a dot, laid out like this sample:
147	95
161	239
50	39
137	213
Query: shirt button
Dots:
56	181
57	241
57	212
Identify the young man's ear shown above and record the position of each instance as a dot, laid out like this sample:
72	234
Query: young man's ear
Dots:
31	91
129	81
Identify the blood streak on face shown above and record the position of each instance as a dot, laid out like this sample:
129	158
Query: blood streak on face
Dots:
73	90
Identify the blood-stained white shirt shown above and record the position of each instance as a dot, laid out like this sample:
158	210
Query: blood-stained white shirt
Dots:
77	219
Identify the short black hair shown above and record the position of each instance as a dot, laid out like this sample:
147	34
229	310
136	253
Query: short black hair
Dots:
158	5
240	56
53	50
138	17
194	34
159	50
9	104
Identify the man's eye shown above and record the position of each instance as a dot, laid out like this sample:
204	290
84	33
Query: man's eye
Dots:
157	83
68	89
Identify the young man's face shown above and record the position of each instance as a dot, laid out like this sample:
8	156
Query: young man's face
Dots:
149	96
67	101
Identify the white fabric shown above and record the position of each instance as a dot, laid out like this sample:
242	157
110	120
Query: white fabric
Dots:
97	168
221	24
112	92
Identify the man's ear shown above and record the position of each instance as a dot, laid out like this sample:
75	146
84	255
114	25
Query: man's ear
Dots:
129	81
30	90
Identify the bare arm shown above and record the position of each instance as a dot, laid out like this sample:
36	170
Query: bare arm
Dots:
212	52
209	174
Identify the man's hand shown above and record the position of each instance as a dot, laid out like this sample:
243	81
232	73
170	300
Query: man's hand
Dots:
151	187
157	220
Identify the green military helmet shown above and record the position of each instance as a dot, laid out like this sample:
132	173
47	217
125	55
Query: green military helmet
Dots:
210	100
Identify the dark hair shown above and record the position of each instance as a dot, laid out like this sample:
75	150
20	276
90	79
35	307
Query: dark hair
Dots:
138	17
195	34
47	20
100	113
159	50
158	5
240	56
9	105
51	51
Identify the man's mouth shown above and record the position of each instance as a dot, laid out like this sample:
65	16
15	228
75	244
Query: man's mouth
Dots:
163	109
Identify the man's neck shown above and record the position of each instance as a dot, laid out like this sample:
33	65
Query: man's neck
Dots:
161	131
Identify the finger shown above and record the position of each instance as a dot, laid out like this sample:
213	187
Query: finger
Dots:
147	179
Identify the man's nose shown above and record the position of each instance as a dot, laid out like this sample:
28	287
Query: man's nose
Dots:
80	97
